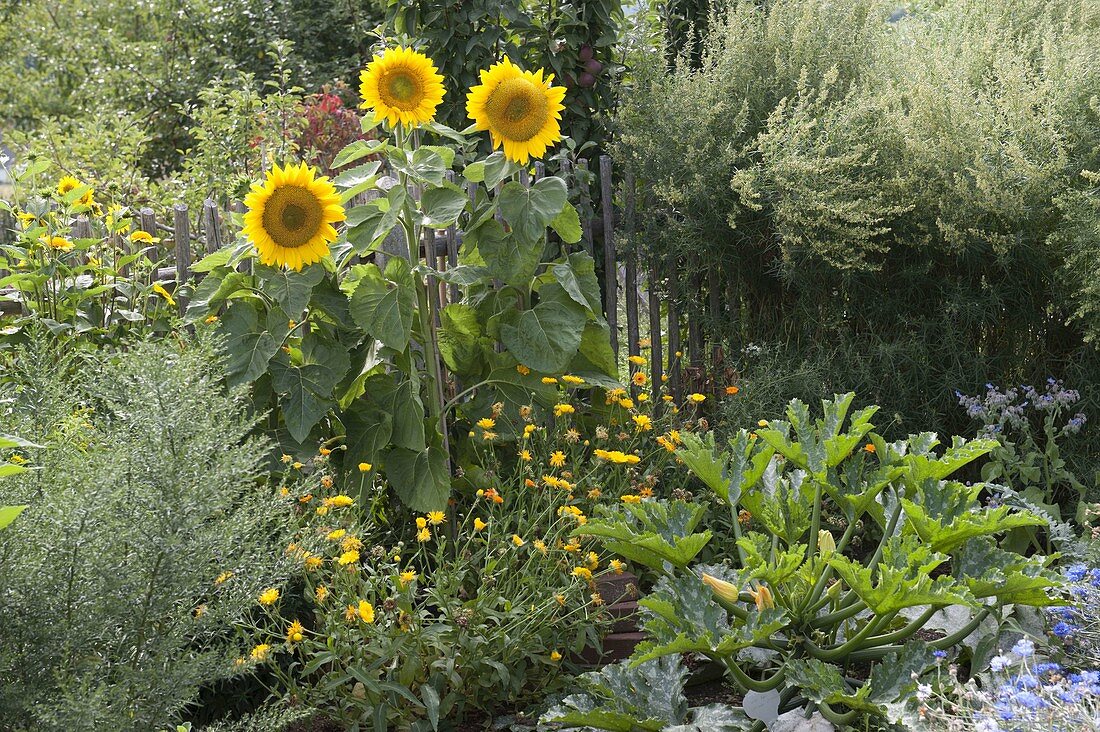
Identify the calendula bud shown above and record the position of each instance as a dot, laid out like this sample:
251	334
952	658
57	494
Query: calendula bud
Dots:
825	542
722	589
763	598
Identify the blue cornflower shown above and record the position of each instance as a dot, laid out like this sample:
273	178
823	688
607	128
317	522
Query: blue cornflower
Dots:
1076	573
1095	576
1048	668
1030	700
1069	696
939	655
1024	647
1063	630
1026	681
999	663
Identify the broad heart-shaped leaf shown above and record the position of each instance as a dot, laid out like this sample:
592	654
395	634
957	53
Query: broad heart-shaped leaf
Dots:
421	478
356	151
399	400
442	206
384	309
596	350
901	578
305	394
545	337
289	288
368	427
369	223
213	291
459	338
357	176
491	171
9	514
577	276
506	256
529	211
250	344
568	224
782	503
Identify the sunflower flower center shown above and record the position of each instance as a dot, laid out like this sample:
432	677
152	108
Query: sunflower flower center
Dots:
517	109
292	216
400	89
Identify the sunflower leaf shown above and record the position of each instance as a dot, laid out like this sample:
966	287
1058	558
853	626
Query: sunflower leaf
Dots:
382	309
530	210
421	478
545	337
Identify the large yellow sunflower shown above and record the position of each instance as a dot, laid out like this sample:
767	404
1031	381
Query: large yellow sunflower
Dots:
403	86
290	217
519	108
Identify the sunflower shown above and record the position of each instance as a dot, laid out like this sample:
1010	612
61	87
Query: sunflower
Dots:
401	86
519	108
67	184
290	217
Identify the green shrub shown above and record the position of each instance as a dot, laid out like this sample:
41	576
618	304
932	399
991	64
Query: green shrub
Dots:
896	201
144	493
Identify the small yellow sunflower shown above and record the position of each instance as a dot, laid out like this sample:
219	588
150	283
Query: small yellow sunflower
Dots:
66	184
519	108
290	217
402	86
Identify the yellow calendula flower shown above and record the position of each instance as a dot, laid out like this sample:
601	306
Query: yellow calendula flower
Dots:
549	380
518	540
617	456
762	423
638	378
348	543
557	459
211	319
637	360
295	633
421	522
583	573
595	493
562	409
260	653
349	557
540	545
528	429
402	86
555	656
291	215
269	596
630	498
479	525
159	289
58	243
593	561
520	109
320	593
424	535
642	422
435	518
365	467
570	379
617	566
17	459
407	576
221	578
486	423
313	563
336	535
340	501
522	370
525	456
646	492
697	398
365	611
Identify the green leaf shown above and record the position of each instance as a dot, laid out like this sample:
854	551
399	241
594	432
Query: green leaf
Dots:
290	289
7	442
9	514
568	224
250	345
212	261
305	395
442	206
357	150
507	257
545	337
383	309
893	678
530	210
421	478
459	338
370	223
359	175
213	291
596	348
577	276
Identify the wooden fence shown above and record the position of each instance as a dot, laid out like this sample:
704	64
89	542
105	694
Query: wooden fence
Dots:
647	292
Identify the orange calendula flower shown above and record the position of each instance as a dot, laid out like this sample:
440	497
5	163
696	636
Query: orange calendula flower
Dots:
523	370
731	390
557	459
638	378
869	447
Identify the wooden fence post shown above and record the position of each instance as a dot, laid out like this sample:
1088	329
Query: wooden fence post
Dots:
695	332
181	232
452	248
211	226
674	348
631	281
147	221
656	346
610	262
715	299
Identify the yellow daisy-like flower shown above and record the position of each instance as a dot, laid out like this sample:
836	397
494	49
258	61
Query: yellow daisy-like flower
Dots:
518	540
349	557
583	573
260	652
290	217
295	633
221	578
520	109
479	524
67	184
557	459
59	243
336	535
523	370
402	86
561	409
570	379
435	518
320	593
643	422
365	467
424	535
525	456
269	596
159	289
697	398
638	378
486	423
636	360
365	611
555	656
408	576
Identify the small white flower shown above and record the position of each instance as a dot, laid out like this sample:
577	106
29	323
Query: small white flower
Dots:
999	663
924	691
987	725
1024	647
